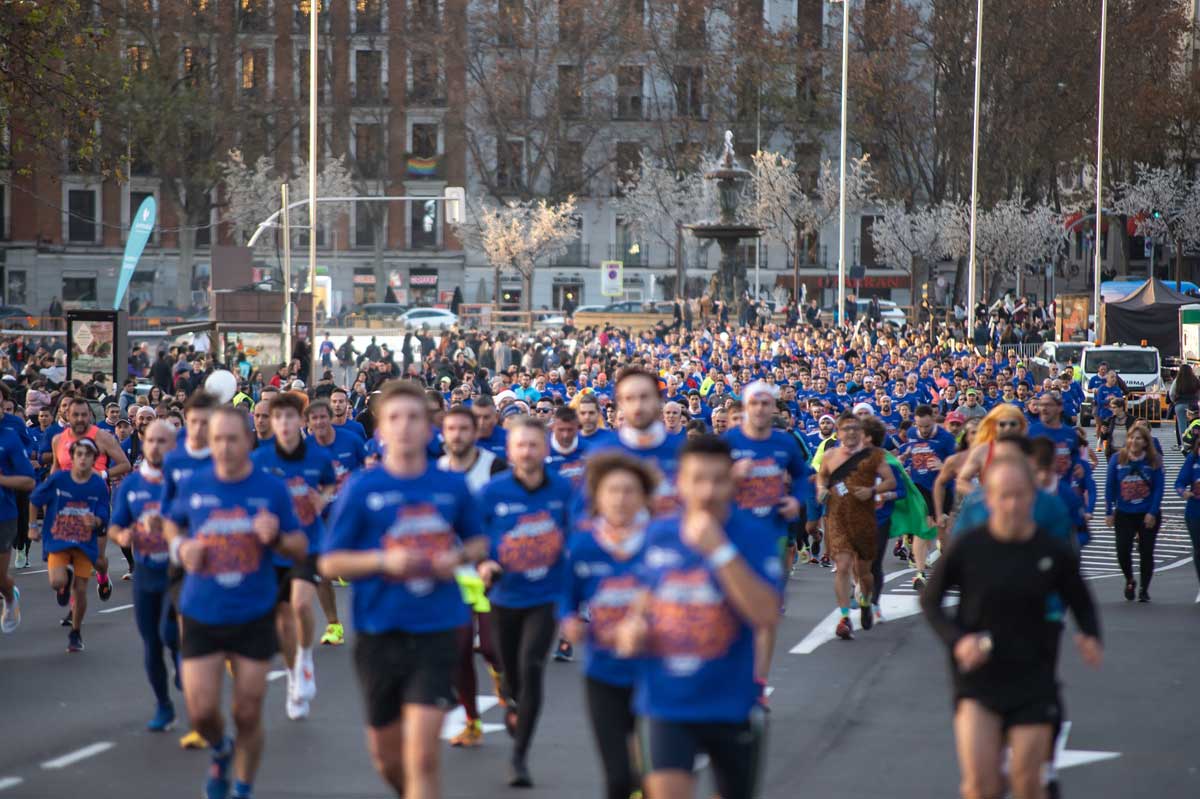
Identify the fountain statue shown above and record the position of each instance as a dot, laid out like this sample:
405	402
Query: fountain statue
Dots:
728	231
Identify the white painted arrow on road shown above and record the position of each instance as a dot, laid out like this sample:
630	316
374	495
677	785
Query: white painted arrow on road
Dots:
894	607
1068	758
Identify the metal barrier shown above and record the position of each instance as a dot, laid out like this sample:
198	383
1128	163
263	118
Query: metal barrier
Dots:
1150	406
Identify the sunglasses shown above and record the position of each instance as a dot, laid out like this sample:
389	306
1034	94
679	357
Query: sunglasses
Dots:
543	410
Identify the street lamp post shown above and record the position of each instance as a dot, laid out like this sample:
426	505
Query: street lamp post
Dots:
841	306
1100	174
313	13
971	265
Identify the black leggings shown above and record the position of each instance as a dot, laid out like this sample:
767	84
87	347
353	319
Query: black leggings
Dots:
882	538
525	636
610	708
22	542
1127	526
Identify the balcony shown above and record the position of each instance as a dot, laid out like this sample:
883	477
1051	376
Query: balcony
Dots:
424	168
620	252
629	108
428	94
578	255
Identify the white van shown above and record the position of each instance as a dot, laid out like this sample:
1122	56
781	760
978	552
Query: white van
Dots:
1139	367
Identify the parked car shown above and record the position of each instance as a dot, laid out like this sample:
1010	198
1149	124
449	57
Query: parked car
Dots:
379	310
432	318
549	320
892	313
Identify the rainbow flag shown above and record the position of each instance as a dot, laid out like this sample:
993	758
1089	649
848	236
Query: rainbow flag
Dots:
422	167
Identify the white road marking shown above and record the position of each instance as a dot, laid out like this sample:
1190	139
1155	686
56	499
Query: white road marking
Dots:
79	754
1069	758
9	782
116	609
893	606
457	719
23	572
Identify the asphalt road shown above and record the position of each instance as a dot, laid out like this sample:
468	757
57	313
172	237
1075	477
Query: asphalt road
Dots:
867	718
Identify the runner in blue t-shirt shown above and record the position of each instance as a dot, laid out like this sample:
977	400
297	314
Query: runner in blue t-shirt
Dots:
339	405
223	526
526	520
137	523
308	472
397	532
16	479
567	449
74	531
711	582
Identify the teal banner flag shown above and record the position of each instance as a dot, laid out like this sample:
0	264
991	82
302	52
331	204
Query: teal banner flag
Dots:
139	234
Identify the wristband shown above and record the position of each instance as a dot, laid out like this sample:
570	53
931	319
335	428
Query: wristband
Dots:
173	548
722	555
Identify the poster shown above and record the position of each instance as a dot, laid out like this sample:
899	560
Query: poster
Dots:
264	351
612	280
1072	316
91	347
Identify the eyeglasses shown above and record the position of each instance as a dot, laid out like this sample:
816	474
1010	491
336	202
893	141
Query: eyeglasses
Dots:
543	410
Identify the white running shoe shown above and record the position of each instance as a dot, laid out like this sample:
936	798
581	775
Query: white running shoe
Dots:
297	709
305	682
22	560
10	612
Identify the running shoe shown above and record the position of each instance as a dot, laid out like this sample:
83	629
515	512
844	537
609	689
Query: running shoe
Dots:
844	629
66	620
74	641
164	719
22	560
63	595
1143	595
296	708
335	635
127	576
471	735
103	587
217	784
10	615
803	556
919	582
565	653
865	617
1052	790
898	550
1130	589
193	740
826	562
518	774
878	614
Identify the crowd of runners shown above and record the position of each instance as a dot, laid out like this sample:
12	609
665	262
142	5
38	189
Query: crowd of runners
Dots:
638	500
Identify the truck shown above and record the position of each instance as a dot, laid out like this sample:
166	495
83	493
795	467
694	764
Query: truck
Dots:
1140	369
1189	334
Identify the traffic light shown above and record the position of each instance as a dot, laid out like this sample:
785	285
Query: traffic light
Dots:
1156	215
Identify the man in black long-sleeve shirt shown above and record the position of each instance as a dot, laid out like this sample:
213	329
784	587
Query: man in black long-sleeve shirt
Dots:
1003	647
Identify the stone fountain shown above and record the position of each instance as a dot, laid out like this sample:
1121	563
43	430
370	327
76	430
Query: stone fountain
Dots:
728	231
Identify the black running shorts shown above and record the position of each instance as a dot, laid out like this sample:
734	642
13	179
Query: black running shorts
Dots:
734	750
306	570
283	576
254	639
398	668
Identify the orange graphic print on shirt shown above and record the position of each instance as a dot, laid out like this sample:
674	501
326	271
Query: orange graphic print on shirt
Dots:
690	618
535	542
146	540
762	488
422	531
609	606
231	547
304	500
1134	488
69	523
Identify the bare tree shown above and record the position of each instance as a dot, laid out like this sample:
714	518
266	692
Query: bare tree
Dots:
909	240
1164	204
252	193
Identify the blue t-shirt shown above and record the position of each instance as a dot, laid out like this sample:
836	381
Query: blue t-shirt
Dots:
351	426
699	665
10	421
607	585
602	437
347	452
775	462
1066	445
428	514
495	443
237	582
1189	477
920	454
67	503
178	466
14	462
570	466
134	499
305	472
1133	487
1048	511
663	454
259	443
528	532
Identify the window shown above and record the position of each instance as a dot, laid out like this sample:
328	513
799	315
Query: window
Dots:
627	249
368	150
424	76
424	139
256	66
18	288
510	22
301	228
368	74
79	289
425	15
689	92
82	221
866	255
633	14
810	21
200	8
137	59
368	16
629	93
424	225
364	284
253	16
510	165
195	65
570	168
690	26
570	92
136	198
301	152
303	7
629	162
301	80
364	226
570	21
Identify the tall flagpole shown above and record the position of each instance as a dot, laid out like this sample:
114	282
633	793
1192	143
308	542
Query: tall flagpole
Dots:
972	265
313	14
841	306
1100	171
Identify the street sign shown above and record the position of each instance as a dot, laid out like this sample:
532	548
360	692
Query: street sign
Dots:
456	204
612	278
1148	247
